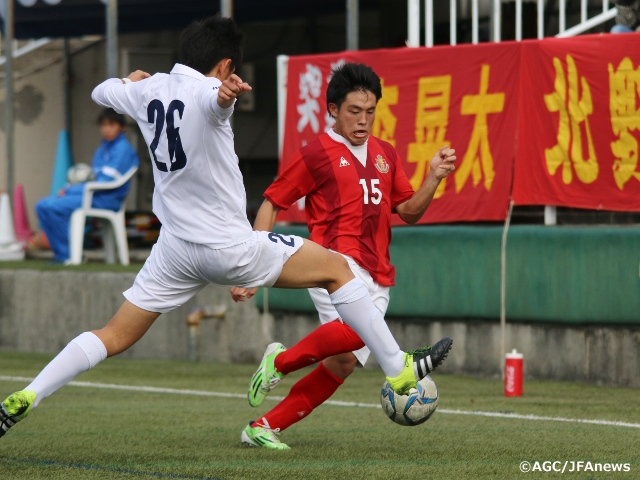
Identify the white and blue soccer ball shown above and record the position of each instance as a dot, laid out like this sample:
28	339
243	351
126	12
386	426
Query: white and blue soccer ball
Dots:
80	173
414	408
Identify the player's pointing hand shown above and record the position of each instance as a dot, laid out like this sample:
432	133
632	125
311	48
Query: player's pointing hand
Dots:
230	89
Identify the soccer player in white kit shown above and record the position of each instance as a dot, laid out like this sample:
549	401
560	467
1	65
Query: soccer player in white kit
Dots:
200	200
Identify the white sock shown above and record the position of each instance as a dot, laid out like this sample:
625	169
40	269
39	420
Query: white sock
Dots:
82	353
355	307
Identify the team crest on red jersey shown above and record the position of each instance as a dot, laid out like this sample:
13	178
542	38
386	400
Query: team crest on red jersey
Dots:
381	164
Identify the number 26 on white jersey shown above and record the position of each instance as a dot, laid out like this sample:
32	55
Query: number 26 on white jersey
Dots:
156	116
376	194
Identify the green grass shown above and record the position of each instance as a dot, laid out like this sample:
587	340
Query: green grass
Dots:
87	433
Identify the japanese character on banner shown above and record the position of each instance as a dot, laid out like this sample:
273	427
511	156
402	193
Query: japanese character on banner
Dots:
478	160
574	110
310	88
624	85
432	118
384	125
329	121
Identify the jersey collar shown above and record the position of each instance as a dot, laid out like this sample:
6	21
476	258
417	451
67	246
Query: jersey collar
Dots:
180	69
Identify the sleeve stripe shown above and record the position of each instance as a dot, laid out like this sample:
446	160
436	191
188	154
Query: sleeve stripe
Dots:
111	172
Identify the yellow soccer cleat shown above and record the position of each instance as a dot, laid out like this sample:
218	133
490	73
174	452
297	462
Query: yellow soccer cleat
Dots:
418	364
15	408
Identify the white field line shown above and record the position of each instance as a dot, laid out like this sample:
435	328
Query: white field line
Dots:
202	393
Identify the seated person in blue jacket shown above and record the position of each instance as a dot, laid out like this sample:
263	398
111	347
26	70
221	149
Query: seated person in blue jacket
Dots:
113	158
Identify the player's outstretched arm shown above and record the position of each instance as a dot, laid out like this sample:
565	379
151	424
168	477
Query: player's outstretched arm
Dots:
442	164
265	220
112	93
266	217
230	89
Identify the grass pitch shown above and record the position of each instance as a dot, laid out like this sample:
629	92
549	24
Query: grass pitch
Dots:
86	432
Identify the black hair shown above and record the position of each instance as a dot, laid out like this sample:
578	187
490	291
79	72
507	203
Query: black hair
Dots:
352	77
203	44
110	115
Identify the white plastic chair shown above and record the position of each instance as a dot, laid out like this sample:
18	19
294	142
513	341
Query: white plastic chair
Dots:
113	223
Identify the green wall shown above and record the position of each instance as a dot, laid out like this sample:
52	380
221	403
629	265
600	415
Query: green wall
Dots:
565	274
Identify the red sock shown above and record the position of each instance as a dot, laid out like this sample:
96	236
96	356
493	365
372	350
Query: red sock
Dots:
308	393
325	341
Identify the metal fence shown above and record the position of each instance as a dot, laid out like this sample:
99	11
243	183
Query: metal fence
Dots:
473	9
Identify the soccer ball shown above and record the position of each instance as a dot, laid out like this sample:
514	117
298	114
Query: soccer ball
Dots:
80	173
414	408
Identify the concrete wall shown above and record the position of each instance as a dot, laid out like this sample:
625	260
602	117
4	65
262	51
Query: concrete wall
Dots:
40	311
600	355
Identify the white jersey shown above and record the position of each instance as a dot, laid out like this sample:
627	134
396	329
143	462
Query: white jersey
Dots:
199	194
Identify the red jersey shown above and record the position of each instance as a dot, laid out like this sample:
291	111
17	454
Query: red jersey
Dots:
348	205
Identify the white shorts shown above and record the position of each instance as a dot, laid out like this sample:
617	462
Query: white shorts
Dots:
379	295
176	269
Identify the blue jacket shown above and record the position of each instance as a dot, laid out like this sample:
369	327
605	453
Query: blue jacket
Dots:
110	161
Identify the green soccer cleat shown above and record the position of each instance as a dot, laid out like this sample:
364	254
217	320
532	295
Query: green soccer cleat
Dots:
266	377
262	436
418	364
15	408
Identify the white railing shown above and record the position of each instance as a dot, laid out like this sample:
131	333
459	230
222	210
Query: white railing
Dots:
589	24
28	47
492	8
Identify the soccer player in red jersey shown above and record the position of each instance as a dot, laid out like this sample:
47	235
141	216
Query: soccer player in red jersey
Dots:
352	183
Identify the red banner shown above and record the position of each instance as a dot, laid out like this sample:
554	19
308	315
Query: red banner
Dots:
570	105
578	136
463	96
